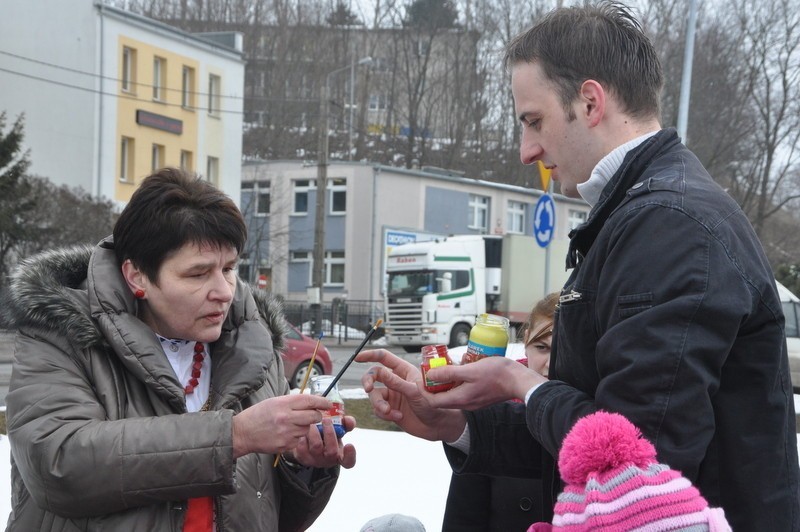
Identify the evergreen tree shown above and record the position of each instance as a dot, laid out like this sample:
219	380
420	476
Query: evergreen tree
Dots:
35	214
342	16
16	201
431	15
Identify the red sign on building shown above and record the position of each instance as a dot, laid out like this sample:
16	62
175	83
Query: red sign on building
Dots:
164	123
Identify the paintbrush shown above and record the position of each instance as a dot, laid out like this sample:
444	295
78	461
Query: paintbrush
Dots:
352	357
311	362
305	380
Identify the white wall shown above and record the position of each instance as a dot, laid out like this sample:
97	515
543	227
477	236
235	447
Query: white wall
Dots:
59	105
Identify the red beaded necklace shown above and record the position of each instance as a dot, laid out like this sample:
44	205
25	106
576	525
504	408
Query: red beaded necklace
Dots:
197	366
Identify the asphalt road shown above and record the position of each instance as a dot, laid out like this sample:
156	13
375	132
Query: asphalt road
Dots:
352	376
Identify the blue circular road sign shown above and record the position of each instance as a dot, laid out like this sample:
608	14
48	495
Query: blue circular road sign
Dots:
544	220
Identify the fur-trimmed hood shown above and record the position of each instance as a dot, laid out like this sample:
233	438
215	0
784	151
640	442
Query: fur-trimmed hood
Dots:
49	292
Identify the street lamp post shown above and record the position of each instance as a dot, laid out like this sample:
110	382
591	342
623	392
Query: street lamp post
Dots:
318	273
363	61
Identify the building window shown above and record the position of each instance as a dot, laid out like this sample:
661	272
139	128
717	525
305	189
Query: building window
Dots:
244	268
128	69
301	188
186	160
306	87
381	64
187	88
377	102
126	160
516	217
334	268
576	218
212	170
157	157
479	213
338	198
423	48
259	196
214	87
300	256
159	77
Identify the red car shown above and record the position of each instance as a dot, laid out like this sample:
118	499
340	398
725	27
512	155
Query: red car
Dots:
297	354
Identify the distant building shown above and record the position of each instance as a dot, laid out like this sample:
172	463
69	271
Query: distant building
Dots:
409	84
109	96
370	208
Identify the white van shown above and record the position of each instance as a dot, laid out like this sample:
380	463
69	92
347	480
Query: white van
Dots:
791	309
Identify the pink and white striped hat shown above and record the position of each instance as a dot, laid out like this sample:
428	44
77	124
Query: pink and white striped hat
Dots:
615	483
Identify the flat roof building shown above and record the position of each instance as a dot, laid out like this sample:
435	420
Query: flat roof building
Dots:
369	209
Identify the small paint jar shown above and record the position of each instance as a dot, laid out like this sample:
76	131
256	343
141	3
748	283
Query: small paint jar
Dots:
435	356
318	386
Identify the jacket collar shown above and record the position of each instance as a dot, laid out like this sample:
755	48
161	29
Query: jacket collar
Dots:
631	170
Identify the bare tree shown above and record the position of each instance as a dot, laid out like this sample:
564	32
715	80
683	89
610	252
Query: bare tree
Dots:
743	117
53	222
767	178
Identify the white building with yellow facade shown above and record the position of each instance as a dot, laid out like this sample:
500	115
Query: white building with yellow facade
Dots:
108	96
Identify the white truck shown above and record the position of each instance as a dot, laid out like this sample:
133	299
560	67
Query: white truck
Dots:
435	289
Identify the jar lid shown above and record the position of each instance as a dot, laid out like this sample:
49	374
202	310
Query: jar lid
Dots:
493	320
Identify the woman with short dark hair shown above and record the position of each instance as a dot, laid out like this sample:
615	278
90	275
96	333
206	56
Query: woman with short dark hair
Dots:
147	391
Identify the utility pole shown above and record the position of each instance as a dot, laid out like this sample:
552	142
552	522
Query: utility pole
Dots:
318	273
686	79
319	221
352	104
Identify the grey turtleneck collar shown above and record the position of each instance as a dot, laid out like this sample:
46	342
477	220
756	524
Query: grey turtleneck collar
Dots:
591	189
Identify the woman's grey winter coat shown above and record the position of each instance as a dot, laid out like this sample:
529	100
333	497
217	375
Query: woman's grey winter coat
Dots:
100	437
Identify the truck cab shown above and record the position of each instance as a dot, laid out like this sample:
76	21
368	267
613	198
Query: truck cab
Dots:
434	291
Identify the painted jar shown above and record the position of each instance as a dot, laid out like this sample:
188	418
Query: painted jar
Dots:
318	386
435	356
489	337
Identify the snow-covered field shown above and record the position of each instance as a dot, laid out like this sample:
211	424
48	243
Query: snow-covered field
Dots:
395	473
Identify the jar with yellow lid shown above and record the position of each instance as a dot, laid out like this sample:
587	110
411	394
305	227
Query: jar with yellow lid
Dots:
489	337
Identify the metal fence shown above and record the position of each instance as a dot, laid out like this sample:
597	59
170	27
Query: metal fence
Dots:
341	319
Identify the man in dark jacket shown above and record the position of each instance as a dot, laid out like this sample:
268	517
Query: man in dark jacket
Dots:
671	315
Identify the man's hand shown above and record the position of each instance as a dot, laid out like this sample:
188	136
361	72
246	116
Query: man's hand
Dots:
483	383
401	400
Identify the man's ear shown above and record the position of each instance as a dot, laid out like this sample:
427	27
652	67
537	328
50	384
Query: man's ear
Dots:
135	279
593	101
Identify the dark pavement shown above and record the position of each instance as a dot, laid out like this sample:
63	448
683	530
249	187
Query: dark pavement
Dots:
340	353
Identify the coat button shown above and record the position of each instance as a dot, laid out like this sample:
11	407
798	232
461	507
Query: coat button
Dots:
525	504
258	494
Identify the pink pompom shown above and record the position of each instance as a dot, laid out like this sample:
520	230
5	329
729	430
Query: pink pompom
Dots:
602	442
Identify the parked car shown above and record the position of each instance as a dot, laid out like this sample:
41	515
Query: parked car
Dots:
297	354
791	310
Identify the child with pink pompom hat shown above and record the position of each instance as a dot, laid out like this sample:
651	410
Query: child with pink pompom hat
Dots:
614	482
